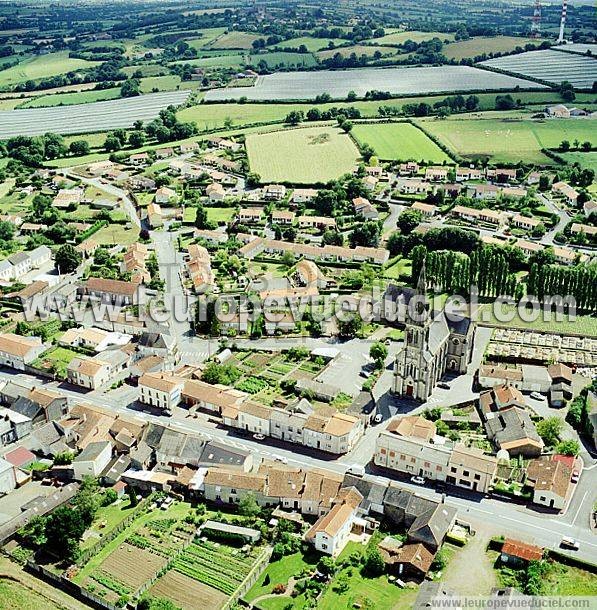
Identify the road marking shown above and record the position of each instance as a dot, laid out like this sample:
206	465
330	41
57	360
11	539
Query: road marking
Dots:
580	506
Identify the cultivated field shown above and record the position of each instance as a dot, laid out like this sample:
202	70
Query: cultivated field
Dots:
398	37
280	58
187	593
68	99
42	66
399	142
506	140
233	40
399	81
358	50
304	156
485	44
551	66
81	118
132	566
584	159
312	44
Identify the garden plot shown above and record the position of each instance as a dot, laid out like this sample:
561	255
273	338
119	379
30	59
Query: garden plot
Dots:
187	593
551	66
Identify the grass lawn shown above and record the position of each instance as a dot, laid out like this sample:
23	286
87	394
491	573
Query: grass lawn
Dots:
399	142
305	156
161	83
16	596
236	60
506	140
581	325
568	580
279	572
485	44
67	99
219	215
401	268
206	36
42	66
398	37
107	518
116	234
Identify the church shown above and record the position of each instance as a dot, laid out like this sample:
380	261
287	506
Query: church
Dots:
433	345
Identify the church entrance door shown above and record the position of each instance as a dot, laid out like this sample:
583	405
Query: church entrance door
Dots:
409	390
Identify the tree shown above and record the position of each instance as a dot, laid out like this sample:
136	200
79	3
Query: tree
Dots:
569	447
408	221
67	259
565	145
374	564
130	88
201	221
79	148
112	144
543	183
550	429
7	231
294	117
346	126
64	529
350	328
351	96
326	565
248	506
64	458
33	533
586	146
136	139
110	496
156	603
379	352
366	234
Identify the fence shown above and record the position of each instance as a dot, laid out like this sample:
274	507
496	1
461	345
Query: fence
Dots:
62	583
94	550
251	578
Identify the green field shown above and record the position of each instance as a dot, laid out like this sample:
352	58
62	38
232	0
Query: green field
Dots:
302	156
42	66
67	99
507	140
399	37
358	50
399	142
233	40
161	83
485	44
236	60
281	58
312	44
587	160
208	35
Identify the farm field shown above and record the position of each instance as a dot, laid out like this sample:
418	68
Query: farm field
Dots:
233	40
281	58
81	118
586	160
187	593
399	81
131	565
358	50
208	35
509	140
115	234
42	66
312	44
399	142
551	66
162	83
478	45
398	37
228	60
304	156
68	99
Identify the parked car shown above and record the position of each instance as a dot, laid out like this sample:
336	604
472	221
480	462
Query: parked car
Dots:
259	437
417	480
575	476
357	469
167	413
378	418
537	396
443	385
281	458
569	543
365	374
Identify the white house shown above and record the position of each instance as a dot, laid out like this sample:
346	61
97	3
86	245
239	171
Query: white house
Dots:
158	390
21	263
17	351
40	256
92	460
7	477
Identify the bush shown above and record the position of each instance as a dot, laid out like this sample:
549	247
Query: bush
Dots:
279	588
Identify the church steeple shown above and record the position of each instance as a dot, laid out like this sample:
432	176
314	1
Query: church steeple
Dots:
422	281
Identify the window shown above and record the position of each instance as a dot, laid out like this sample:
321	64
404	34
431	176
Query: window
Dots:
477	477
466	473
453	469
438	468
412	460
392	453
427	464
382	451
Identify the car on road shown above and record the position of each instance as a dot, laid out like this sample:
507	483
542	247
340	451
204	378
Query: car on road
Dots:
417	480
537	396
443	385
365	374
575	476
569	543
281	458
167	413
259	437
378	418
357	469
